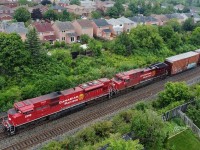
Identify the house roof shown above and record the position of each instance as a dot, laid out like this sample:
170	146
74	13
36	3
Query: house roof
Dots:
143	19
2	7
125	20
174	15
50	37
114	22
195	15
100	22
85	23
74	7
43	26
64	25
160	17
58	7
17	27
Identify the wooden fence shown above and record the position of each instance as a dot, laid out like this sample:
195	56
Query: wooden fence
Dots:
179	112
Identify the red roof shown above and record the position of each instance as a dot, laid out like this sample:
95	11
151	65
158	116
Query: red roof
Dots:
43	27
50	38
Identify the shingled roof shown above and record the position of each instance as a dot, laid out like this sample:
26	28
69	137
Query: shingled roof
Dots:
100	22
43	27
85	23
64	25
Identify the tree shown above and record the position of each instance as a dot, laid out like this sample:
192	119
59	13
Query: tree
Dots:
133	7
13	56
128	13
76	2
45	2
95	46
188	25
65	16
173	92
146	38
174	24
22	14
33	45
112	12
119	6
36	14
195	37
51	15
84	38
22	2
148	127
121	144
96	14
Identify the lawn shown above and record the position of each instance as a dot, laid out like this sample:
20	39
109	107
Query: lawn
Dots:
185	141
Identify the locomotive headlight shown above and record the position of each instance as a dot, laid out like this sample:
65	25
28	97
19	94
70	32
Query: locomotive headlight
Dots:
9	118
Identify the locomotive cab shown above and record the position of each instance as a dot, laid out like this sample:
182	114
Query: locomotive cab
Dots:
8	124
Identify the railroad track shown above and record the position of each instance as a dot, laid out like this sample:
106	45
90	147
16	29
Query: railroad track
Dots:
66	126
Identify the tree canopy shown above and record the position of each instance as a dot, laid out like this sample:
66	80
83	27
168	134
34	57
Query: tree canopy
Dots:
22	14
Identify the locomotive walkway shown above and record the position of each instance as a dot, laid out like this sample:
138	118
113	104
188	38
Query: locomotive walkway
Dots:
49	130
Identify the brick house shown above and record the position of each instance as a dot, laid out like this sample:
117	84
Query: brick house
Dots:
83	27
101	28
9	3
5	13
127	24
45	31
17	27
65	31
117	26
162	19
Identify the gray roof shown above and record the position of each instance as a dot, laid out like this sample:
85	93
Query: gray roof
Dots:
100	22
142	18
174	16
57	7
125	20
195	15
2	7
181	56
114	22
64	25
17	27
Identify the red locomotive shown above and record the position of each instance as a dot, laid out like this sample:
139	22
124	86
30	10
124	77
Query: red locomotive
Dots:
52	105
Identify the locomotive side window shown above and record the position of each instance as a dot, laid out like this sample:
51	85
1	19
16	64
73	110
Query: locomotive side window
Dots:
28	112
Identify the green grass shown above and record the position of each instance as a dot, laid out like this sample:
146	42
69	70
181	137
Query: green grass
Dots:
185	141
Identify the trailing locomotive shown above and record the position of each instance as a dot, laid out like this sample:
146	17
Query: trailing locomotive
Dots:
52	105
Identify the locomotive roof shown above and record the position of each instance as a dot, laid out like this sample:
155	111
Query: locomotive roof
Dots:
181	56
91	85
198	50
127	73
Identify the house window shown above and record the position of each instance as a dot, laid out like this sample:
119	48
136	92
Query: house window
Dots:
72	39
63	31
120	24
63	38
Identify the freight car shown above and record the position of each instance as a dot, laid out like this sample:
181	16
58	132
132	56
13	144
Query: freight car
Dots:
54	104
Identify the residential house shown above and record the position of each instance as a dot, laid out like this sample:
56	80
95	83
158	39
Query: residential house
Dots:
117	26
79	10
83	27
9	3
101	29
5	13
127	24
64	3
147	20
179	7
180	18
162	19
104	5
45	31
58	8
195	16
65	31
86	3
17	27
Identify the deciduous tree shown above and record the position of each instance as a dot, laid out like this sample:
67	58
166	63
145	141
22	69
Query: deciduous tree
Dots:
22	14
36	14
